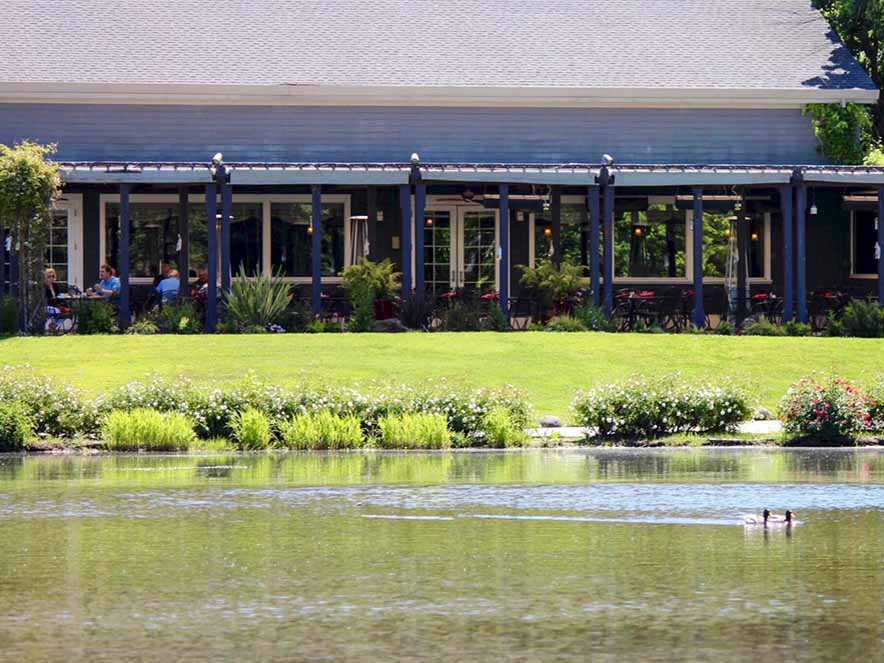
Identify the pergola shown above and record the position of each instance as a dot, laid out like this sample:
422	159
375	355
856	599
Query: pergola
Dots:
413	179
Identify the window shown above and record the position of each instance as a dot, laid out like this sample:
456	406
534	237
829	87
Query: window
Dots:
573	225
720	246
154	237
57	248
291	238
650	243
863	241
246	238
266	233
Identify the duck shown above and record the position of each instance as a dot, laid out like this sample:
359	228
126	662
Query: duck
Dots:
758	520
785	519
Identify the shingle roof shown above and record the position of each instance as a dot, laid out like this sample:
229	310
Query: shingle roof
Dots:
720	44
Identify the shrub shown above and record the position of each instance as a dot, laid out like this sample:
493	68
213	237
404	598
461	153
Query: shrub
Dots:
863	319
381	278
251	429
824	409
414	431
834	326
318	326
362	298
56	409
763	327
180	318
8	315
147	429
500	431
648	408
466	410
16	426
145	326
724	328
94	316
564	323
415	312
496	320
462	316
593	318
552	284
257	301
322	430
875	395
795	328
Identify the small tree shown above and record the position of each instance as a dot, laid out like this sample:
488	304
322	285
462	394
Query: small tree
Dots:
29	184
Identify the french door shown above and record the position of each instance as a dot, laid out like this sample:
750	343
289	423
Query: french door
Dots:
64	252
460	248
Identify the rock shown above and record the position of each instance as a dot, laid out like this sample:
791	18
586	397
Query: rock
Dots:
391	325
550	421
762	414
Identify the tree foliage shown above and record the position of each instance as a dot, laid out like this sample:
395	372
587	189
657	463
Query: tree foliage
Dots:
853	134
29	184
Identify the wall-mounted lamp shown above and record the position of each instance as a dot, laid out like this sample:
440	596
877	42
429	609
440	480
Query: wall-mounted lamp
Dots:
638	231
547	232
754	237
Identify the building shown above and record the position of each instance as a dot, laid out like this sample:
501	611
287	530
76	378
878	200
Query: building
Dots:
507	107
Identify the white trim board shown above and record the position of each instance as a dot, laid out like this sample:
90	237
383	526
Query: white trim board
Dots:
394	95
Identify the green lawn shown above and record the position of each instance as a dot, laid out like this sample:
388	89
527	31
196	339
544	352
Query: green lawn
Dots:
549	367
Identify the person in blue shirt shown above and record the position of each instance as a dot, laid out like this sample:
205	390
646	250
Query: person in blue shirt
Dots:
109	285
167	289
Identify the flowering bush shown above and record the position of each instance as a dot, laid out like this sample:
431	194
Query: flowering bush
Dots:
876	403
825	409
213	410
56	409
649	408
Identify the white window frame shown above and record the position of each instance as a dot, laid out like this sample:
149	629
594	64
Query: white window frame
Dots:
265	200
853	273
73	203
688	279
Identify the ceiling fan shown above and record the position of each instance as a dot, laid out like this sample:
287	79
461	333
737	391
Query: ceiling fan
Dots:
467	196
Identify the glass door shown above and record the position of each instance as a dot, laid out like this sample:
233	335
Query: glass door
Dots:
63	251
477	238
439	250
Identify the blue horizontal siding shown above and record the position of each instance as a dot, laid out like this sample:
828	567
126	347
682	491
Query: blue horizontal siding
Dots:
523	135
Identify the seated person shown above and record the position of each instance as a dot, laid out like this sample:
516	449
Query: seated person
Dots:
50	286
167	289
109	285
199	287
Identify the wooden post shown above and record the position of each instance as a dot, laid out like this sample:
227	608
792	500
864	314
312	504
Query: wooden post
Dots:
880	245
593	204
606	182
405	239
125	311
184	238
371	211
744	230
556	214
316	249
212	267
504	293
420	202
801	246
699	315
226	213
2	261
786	193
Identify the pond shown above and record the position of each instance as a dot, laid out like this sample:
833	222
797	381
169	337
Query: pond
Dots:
513	556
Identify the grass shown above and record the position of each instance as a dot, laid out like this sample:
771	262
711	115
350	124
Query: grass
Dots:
548	367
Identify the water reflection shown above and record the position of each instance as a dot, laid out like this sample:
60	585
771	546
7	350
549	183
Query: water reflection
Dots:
596	555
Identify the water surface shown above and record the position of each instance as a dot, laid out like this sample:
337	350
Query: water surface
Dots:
525	556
